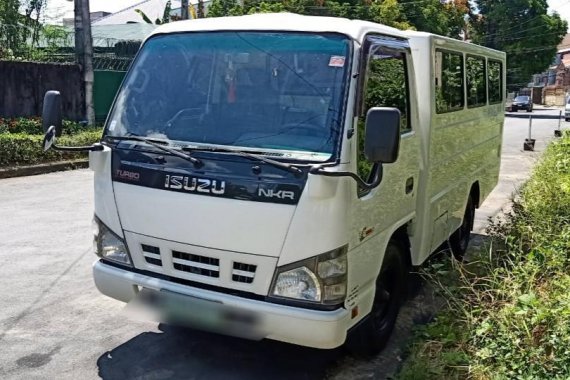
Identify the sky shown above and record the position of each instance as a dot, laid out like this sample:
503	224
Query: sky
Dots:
57	9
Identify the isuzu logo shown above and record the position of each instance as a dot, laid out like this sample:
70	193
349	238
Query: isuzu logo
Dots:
195	185
281	194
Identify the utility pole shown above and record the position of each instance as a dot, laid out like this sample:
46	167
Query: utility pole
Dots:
184	9
84	54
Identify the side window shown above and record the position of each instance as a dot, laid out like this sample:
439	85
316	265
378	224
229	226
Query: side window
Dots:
495	74
449	93
386	86
476	81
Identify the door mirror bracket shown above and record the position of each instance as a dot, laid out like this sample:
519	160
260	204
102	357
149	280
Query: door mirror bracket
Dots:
52	123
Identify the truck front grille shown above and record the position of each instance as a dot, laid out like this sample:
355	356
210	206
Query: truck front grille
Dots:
243	272
201	265
151	254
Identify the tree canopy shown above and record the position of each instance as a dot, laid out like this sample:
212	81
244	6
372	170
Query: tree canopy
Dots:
524	30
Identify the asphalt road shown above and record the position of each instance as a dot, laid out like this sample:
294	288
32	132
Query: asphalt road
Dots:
54	323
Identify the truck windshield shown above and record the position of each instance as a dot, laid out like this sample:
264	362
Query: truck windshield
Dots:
250	90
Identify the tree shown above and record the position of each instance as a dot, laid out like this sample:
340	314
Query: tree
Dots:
11	36
159	21
524	30
435	16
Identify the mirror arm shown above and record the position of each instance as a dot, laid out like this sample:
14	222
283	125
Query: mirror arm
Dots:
92	148
362	185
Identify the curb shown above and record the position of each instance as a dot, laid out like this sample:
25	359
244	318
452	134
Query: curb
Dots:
20	171
534	116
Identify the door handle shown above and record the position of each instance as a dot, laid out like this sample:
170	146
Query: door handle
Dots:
409	185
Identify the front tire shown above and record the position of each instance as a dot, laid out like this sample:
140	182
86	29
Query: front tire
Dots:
371	335
459	240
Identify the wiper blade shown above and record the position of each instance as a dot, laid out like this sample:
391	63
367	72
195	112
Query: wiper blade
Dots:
277	164
155	143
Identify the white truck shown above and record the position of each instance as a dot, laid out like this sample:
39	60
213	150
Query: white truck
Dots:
276	175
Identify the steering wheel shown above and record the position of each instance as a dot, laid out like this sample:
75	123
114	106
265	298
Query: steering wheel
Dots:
198	113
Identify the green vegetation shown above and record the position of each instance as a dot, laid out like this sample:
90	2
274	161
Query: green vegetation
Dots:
21	141
509	308
524	29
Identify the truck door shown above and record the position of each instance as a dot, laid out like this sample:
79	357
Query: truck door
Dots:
388	82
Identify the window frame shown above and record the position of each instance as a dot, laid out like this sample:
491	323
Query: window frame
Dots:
485	77
501	74
371	41
463	79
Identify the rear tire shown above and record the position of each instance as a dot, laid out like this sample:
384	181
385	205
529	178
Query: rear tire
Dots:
459	240
370	336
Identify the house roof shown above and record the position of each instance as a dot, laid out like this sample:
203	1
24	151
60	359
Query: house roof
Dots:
564	46
152	8
107	35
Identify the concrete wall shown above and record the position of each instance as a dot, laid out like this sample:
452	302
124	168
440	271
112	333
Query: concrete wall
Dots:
23	85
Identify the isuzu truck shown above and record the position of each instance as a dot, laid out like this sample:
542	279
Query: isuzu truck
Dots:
277	176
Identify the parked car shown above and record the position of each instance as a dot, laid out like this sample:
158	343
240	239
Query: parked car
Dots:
522	103
567	110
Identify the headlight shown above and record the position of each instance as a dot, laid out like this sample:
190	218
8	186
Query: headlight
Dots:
320	279
109	246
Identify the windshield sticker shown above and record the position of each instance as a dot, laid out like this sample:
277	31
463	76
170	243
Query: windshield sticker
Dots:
112	125
336	61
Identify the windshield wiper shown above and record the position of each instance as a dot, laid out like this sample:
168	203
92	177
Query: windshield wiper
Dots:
277	164
157	144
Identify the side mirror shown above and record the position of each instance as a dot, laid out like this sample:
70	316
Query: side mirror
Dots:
382	139
51	112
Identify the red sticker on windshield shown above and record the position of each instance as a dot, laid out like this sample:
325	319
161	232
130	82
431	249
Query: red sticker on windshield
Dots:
336	61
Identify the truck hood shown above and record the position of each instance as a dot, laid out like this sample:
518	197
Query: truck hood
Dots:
224	205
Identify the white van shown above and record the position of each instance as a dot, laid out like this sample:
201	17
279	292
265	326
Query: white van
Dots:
277	176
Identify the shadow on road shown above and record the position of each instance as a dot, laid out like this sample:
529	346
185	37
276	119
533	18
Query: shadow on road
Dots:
180	353
526	115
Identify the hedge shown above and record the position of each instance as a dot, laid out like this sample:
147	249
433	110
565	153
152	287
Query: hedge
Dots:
33	126
25	149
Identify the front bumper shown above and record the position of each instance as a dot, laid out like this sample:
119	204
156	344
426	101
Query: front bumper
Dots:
312	328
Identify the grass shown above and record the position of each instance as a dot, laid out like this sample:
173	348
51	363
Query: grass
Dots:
508	314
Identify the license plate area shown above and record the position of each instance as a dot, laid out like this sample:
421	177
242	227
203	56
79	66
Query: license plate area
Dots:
181	309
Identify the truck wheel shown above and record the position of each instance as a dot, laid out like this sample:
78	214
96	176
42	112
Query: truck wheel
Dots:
370	336
459	240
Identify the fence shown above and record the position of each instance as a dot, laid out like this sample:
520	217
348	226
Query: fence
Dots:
23	85
105	86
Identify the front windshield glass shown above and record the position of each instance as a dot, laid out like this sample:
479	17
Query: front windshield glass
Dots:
521	99
259	91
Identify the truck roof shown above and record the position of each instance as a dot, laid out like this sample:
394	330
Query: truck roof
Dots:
355	29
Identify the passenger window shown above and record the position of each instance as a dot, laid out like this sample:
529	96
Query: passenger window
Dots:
495	74
386	86
449	93
476	81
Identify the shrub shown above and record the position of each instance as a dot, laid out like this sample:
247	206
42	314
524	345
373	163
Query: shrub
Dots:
509	311
33	126
26	149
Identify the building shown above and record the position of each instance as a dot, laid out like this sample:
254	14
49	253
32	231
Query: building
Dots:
552	86
68	21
